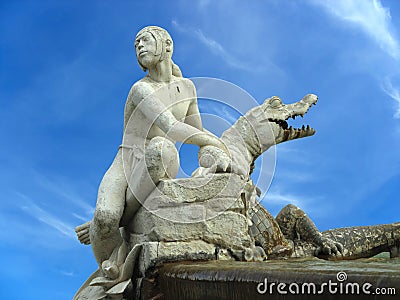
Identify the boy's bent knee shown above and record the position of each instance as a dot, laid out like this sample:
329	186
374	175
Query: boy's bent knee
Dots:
162	158
160	148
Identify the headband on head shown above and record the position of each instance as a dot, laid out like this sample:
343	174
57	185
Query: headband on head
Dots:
161	36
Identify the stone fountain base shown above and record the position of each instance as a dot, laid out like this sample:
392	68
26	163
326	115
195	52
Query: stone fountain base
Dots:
288	279
193	219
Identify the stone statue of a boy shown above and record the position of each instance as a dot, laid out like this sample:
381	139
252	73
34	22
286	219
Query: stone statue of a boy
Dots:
161	109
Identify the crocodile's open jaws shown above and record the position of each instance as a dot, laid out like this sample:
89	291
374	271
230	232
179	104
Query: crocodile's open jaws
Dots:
278	114
294	133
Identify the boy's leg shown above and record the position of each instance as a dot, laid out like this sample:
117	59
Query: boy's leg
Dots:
104	228
161	160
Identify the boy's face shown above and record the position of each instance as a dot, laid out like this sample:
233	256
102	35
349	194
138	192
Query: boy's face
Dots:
145	48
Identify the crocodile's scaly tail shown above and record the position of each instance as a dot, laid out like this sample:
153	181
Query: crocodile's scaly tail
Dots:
395	248
367	241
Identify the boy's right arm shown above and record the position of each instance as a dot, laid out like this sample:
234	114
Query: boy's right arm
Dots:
144	98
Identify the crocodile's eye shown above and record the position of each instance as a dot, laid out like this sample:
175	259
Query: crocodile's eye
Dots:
275	103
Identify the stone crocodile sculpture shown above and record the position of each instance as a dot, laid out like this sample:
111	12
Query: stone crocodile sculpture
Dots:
292	233
218	217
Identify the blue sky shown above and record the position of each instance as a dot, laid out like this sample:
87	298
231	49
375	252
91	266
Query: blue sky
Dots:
66	68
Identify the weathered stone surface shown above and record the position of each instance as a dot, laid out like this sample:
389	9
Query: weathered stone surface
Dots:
154	253
178	232
188	200
199	189
229	229
168	217
146	220
223	254
266	231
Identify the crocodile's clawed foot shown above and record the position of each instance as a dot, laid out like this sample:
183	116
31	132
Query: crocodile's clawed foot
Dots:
329	247
395	251
254	254
82	232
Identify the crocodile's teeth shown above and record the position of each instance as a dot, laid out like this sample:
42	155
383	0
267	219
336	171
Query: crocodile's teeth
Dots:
292	133
302	128
308	127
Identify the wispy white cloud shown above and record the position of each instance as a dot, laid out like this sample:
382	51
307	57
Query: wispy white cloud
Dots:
60	188
393	92
218	110
375	20
67	273
213	46
291	151
47	218
296	176
79	217
278	198
370	17
203	4
217	116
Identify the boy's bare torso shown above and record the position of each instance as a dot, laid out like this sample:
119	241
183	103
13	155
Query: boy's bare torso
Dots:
176	96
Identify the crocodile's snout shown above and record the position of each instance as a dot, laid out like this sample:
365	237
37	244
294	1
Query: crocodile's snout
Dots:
310	99
279	113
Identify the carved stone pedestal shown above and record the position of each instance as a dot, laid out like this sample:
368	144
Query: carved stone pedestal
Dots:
193	219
